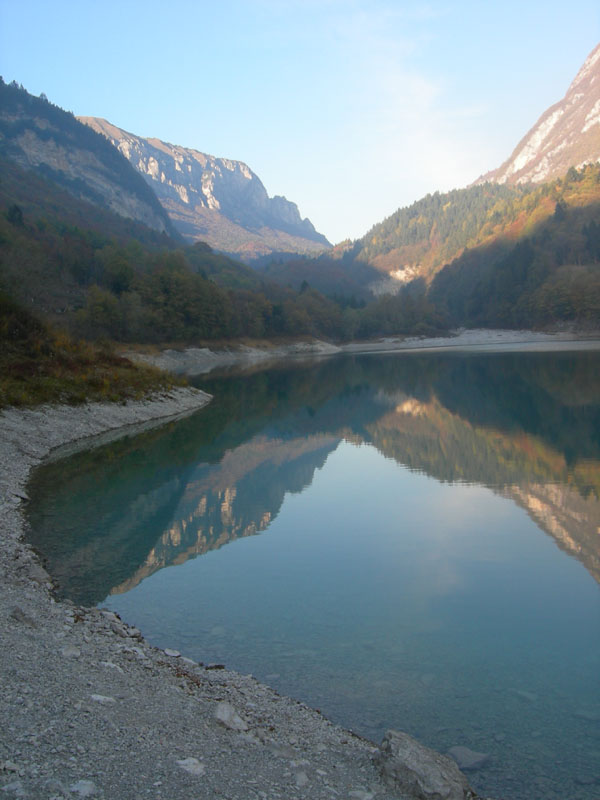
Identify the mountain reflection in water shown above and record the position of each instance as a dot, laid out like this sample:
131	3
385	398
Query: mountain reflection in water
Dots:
527	426
400	578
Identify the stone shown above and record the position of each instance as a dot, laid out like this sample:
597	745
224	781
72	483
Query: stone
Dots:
171	653
417	772
20	616
110	615
103	699
588	714
111	665
9	766
84	788
530	697
192	765
229	717
467	758
38	574
70	651
301	779
15	788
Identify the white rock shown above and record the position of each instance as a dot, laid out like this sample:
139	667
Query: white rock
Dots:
172	653
70	651
192	765
229	717
111	665
83	788
418	772
301	779
104	699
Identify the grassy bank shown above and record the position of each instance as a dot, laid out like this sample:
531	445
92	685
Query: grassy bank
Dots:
41	365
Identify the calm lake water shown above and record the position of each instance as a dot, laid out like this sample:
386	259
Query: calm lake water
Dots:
413	542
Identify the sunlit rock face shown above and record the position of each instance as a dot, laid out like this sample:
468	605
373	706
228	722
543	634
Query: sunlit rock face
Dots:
567	134
215	200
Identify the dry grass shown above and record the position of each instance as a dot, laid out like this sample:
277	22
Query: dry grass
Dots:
40	365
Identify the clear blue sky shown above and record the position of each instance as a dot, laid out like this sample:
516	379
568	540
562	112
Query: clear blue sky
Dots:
350	108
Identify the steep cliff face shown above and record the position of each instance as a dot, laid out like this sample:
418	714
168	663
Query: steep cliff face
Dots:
216	200
39	136
567	134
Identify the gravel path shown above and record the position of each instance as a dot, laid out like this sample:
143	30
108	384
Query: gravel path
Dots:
88	709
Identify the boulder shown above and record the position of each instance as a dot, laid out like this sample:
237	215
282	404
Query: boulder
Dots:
418	772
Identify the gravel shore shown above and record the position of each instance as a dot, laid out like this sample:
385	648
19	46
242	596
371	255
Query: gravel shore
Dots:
89	709
200	360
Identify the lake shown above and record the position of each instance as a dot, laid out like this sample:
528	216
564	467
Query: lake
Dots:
402	541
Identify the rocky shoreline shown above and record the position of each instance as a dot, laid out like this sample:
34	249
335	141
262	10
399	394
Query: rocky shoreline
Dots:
89	709
199	360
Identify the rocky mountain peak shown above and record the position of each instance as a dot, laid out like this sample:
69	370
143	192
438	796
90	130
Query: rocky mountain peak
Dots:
567	134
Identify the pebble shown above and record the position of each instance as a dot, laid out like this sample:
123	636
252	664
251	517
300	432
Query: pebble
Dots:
70	651
83	788
20	616
192	765
301	779
172	653
103	699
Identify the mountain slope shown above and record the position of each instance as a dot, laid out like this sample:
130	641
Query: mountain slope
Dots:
42	137
567	134
216	200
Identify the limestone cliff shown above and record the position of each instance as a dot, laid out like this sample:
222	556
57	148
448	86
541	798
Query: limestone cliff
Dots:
216	200
567	134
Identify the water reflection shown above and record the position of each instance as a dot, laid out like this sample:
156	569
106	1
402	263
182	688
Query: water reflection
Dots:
526	425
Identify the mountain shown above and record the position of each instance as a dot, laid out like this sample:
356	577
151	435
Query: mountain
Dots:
566	135
216	200
416	242
39	136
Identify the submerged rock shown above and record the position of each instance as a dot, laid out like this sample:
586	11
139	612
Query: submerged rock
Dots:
418	772
467	758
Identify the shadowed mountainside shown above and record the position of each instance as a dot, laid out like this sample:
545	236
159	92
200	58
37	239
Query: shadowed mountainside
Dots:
42	137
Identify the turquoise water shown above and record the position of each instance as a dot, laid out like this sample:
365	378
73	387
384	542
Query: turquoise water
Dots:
411	543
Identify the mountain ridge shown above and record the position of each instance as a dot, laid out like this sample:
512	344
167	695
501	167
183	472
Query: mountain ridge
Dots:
217	200
567	134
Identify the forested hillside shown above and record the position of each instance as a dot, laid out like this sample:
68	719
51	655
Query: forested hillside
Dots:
424	236
101	276
490	255
541	269
435	230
